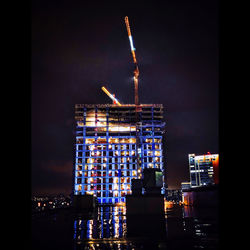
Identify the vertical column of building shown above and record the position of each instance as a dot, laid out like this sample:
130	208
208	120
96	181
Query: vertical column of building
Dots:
78	156
144	144
119	170
161	154
199	173
215	165
107	158
143	150
139	140
115	185
84	168
195	172
74	160
88	156
153	136
95	154
140	145
117	160
110	161
163	157
192	170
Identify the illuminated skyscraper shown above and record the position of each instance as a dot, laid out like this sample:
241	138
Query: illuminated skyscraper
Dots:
110	141
203	169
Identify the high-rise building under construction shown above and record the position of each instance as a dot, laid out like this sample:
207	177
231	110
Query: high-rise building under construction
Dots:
113	145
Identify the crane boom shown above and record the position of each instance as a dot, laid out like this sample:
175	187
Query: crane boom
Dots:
130	40
111	96
136	71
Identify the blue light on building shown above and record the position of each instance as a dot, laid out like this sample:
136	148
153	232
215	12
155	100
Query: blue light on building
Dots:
107	154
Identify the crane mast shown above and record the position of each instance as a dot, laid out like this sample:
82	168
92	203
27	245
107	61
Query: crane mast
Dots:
137	106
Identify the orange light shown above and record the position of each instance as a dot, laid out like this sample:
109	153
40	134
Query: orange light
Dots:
111	96
121	204
168	204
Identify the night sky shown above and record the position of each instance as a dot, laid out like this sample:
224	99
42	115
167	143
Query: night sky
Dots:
79	46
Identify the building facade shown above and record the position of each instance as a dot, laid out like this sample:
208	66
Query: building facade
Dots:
185	185
113	145
203	169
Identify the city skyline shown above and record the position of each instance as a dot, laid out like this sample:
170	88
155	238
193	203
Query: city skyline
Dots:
78	48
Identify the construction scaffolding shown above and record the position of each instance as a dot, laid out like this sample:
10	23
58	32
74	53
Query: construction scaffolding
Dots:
106	148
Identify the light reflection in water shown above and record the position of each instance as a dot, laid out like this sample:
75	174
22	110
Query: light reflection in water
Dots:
89	229
108	229
110	223
203	224
116	222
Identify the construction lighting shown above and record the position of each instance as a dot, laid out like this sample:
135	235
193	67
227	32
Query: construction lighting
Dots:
131	43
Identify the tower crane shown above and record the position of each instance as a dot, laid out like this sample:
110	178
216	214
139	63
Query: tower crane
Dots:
137	106
136	70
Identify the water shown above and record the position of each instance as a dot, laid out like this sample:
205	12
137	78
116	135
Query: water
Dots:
110	228
192	228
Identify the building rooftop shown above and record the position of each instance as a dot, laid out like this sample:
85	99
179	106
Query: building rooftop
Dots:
116	106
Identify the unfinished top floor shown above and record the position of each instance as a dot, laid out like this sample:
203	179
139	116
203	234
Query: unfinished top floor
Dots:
125	113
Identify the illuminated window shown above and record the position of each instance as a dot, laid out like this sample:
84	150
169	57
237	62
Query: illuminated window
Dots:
79	174
79	167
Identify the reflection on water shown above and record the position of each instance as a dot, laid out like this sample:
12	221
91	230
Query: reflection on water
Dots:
196	227
182	227
107	228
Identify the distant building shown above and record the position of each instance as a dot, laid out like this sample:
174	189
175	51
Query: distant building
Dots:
107	153
203	169
174	195
185	185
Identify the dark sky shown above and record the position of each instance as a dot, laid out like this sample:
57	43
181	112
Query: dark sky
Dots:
79	46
